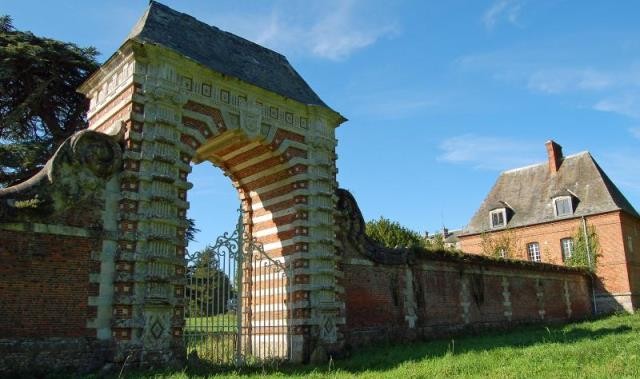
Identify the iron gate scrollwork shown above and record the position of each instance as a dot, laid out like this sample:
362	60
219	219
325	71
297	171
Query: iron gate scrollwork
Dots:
236	302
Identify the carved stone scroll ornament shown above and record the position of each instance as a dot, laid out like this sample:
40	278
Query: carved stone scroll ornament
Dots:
352	234
73	177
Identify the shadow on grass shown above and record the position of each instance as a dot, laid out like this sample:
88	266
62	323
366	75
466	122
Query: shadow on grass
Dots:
388	356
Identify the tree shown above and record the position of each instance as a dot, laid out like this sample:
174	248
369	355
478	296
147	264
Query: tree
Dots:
208	288
190	233
392	234
39	105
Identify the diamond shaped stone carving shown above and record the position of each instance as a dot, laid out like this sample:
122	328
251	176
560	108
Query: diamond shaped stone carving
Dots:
328	330
157	329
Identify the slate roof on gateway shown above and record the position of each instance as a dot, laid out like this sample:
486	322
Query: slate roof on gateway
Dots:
529	193
223	52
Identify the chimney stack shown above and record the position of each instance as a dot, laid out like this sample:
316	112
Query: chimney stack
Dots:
554	152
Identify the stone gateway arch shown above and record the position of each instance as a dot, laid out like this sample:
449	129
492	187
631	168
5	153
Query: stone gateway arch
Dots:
181	91
93	250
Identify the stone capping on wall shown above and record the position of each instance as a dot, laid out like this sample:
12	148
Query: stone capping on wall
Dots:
455	256
57	229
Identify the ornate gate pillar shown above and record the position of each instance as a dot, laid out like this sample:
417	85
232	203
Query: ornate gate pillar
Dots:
279	154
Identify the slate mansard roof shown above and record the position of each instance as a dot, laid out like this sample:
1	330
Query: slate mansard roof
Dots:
529	191
223	52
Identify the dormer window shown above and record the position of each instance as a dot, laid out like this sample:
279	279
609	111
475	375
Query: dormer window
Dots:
563	206
498	218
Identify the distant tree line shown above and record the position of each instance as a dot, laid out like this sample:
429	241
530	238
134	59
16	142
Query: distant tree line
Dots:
392	234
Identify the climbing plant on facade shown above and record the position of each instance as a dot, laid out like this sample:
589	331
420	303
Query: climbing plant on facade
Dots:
586	246
501	245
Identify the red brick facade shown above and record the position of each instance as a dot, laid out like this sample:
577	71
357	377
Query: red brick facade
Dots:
618	261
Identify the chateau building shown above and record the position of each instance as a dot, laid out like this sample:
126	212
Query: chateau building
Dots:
537	212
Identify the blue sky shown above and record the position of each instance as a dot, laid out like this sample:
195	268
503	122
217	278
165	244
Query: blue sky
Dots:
440	95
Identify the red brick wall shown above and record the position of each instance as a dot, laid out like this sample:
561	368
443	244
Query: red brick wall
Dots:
441	294
374	297
451	296
611	270
44	285
631	233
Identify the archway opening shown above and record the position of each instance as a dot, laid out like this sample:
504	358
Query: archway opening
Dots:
239	284
211	291
213	205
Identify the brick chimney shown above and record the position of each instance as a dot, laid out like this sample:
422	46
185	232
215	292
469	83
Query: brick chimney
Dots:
554	152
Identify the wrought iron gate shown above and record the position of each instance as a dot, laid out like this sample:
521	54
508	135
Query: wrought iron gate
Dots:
236	302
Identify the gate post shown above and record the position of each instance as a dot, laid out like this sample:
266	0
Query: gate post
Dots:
147	317
323	292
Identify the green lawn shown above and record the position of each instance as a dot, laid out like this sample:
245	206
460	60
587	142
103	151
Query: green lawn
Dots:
213	337
602	348
223	322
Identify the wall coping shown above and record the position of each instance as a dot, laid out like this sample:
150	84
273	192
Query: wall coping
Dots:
57	229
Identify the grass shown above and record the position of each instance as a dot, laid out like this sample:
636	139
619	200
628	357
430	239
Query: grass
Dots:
604	348
224	322
213	337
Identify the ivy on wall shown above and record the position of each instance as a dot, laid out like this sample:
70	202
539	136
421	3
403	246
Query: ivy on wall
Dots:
586	247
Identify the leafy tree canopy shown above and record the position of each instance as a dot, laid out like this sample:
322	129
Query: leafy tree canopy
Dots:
392	234
209	288
39	105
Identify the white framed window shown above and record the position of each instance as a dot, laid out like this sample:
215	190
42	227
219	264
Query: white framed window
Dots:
498	218
533	249
563	206
566	246
502	252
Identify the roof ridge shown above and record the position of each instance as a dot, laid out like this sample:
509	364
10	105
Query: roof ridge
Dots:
168	8
616	195
575	155
223	52
529	193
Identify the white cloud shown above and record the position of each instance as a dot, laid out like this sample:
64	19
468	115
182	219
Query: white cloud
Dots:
502	9
336	35
635	132
555	81
531	69
332	31
605	89
490	153
511	66
627	105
